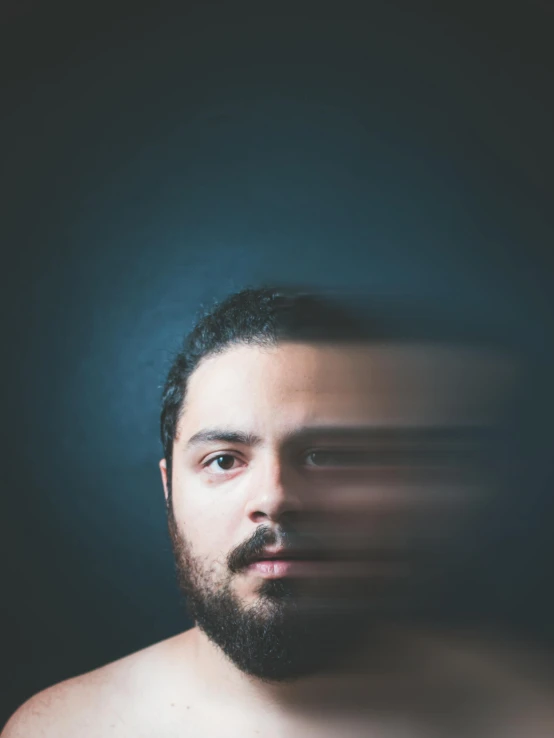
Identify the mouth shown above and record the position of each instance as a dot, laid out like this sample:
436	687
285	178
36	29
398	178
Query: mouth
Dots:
273	568
280	563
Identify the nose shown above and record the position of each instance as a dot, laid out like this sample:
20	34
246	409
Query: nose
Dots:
275	492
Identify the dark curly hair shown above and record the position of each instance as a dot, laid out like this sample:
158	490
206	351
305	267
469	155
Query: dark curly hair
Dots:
253	316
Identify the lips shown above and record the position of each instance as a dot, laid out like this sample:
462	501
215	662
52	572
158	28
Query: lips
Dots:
286	554
375	554
273	568
274	563
299	568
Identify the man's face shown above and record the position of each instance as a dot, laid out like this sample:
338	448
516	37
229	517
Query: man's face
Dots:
312	486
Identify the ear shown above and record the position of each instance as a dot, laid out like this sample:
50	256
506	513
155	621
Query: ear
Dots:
163	471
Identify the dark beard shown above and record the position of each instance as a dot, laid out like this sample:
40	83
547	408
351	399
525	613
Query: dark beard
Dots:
285	635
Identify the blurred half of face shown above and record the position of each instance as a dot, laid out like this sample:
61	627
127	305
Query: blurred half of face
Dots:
327	478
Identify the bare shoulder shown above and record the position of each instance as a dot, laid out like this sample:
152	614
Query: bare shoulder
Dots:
517	664
119	699
516	679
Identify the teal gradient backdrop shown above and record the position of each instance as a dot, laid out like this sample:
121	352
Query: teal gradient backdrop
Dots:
156	160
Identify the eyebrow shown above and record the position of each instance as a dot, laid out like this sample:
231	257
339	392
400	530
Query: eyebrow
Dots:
218	435
353	434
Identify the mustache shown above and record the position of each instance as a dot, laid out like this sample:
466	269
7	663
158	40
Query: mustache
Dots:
309	546
250	551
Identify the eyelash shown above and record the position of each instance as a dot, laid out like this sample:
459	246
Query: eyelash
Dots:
304	457
206	464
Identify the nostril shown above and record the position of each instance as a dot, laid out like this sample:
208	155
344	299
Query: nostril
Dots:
257	516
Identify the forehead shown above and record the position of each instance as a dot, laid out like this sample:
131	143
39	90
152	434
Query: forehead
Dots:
277	388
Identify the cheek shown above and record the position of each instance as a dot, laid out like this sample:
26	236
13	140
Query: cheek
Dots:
356	513
205	519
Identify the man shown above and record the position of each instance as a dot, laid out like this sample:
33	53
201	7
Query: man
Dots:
320	474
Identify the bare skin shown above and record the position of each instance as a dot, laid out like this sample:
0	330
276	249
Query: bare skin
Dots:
184	687
435	684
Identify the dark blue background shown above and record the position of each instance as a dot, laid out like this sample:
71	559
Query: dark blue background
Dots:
155	159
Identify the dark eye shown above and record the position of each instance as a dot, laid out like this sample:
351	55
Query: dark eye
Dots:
335	458
221	463
318	458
